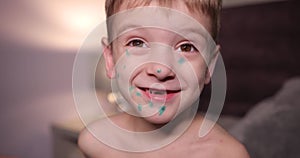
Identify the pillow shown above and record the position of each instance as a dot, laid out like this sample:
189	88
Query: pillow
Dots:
272	128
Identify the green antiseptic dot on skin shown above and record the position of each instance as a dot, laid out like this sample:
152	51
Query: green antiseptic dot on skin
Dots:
150	104
158	70
181	60
138	94
162	110
140	108
131	88
127	52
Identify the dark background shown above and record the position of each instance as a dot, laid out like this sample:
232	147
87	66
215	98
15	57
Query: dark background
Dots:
260	49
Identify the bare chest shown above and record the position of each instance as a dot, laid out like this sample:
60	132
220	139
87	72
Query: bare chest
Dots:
179	149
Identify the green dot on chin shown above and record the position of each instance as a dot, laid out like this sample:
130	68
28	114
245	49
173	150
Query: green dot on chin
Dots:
161	110
150	104
140	108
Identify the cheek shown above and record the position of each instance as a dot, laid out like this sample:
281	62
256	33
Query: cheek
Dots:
117	49
117	53
200	69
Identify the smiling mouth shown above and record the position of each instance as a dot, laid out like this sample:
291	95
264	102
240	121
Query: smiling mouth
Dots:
159	94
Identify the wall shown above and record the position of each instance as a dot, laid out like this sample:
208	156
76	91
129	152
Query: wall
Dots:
35	92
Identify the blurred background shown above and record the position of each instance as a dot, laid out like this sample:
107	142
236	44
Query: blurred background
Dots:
39	41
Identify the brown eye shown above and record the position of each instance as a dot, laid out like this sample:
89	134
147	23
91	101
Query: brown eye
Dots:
187	48
136	43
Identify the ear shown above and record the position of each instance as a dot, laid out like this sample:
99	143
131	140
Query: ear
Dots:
108	56
212	64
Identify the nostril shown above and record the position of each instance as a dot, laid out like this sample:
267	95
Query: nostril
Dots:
167	78
160	72
163	75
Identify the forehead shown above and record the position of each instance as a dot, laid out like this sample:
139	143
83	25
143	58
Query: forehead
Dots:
178	5
155	17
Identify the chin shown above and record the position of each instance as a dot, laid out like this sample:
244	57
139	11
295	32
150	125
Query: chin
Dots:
156	119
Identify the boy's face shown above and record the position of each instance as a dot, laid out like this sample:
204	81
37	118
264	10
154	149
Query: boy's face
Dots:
159	59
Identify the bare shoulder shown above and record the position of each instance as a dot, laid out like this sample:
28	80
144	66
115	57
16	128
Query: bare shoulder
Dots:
88	142
230	146
223	144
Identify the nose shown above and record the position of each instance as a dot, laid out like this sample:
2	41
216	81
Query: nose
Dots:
160	72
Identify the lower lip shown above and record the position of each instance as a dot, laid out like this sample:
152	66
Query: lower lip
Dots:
160	98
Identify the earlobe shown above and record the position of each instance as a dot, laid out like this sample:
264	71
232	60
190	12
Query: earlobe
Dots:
212	64
109	62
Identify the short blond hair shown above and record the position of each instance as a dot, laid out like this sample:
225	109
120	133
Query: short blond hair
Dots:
211	8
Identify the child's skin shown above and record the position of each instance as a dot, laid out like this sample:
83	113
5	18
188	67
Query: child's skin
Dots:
176	82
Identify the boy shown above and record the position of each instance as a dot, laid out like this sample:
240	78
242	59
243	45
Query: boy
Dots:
159	55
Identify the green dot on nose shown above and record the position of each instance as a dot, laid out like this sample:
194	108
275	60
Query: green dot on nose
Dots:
158	70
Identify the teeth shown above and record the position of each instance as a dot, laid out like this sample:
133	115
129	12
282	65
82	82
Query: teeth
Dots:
157	92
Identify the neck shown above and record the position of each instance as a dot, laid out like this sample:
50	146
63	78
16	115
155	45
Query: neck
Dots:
140	124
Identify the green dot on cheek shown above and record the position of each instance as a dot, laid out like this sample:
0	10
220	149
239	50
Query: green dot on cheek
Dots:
131	88
127	52
181	61
138	94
